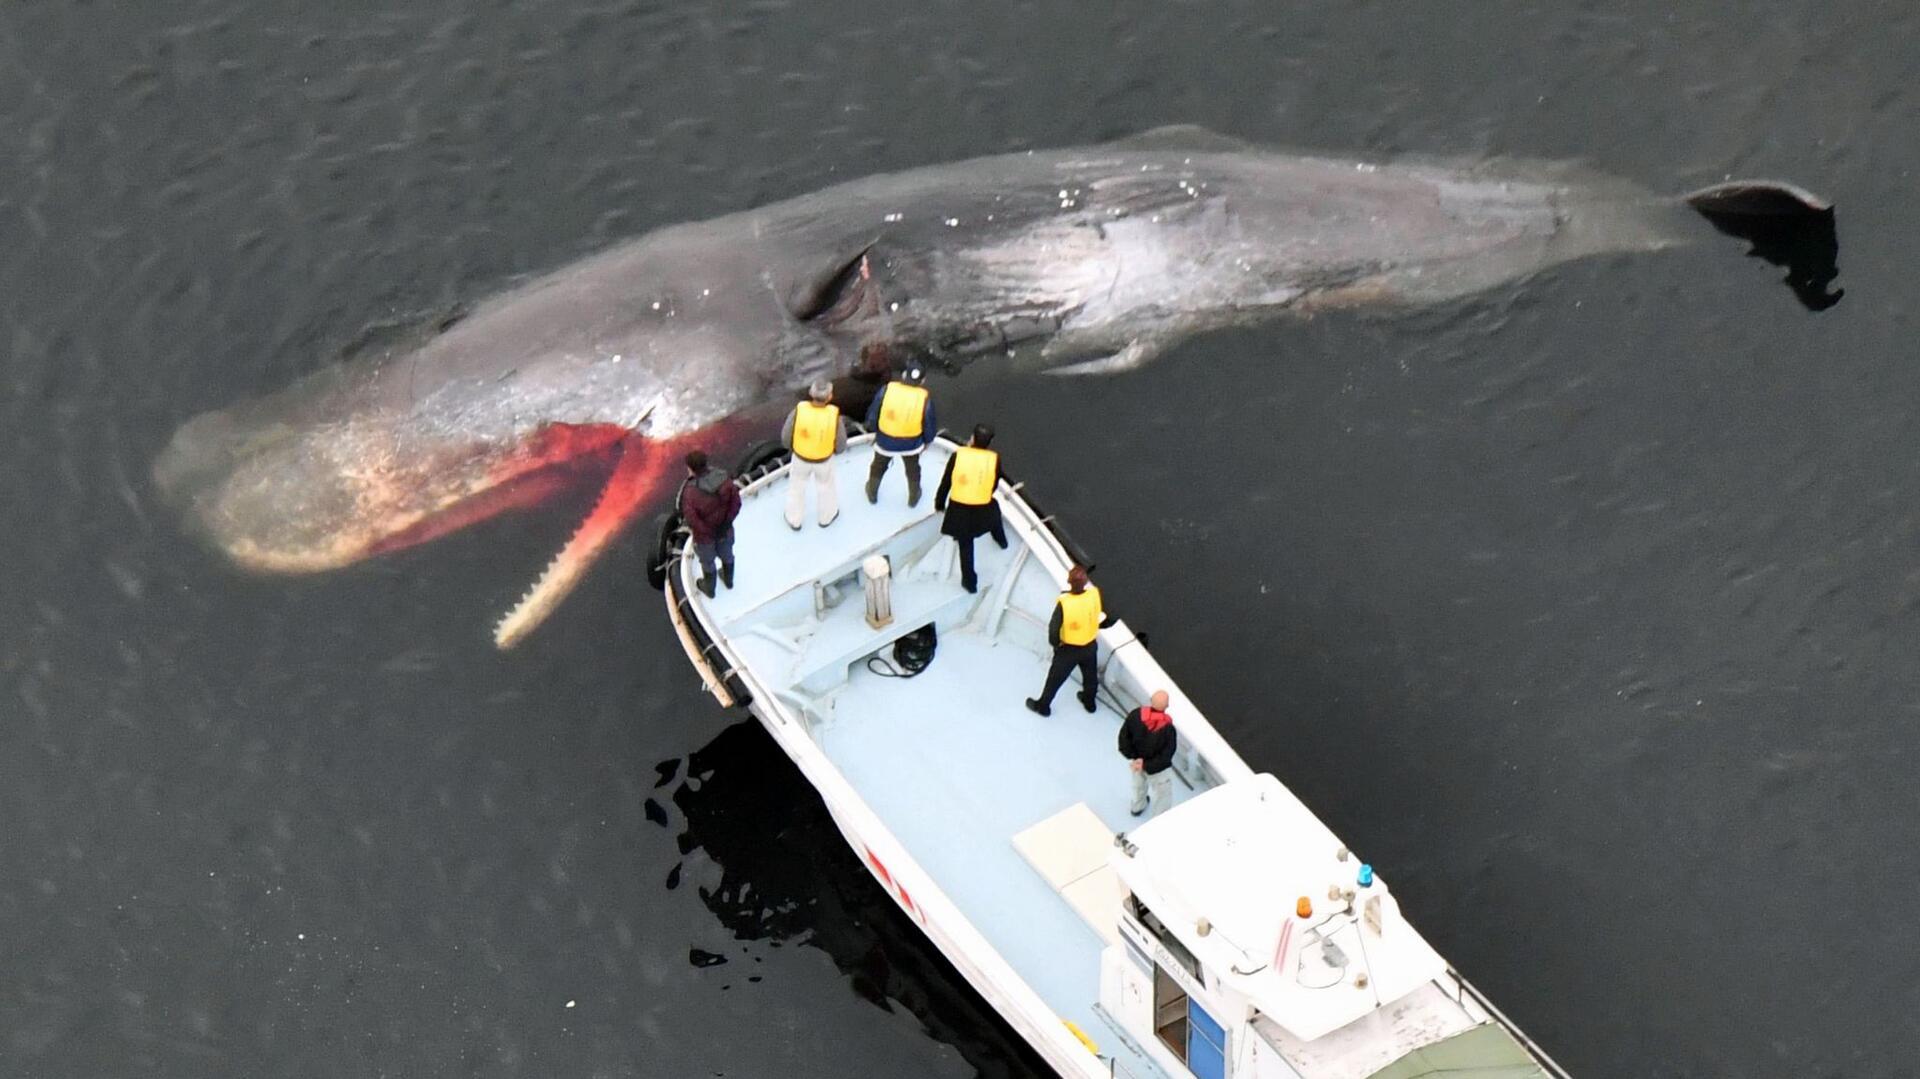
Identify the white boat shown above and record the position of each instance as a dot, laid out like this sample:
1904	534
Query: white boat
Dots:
1176	945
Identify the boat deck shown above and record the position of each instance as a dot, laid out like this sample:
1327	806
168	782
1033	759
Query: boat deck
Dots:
1012	816
957	783
950	759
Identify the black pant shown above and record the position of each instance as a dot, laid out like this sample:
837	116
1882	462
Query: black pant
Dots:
968	579
908	461
1065	658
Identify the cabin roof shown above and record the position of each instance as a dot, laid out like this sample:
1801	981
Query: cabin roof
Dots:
1239	857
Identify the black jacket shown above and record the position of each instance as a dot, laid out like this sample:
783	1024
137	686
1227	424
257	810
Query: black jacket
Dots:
1137	743
963	521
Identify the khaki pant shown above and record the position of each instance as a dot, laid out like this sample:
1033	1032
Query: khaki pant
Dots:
826	495
1160	786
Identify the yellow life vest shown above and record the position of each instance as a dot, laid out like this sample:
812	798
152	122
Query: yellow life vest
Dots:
902	408
1080	616
815	430
974	473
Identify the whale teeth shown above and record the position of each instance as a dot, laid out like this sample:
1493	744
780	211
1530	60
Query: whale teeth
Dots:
544	595
624	495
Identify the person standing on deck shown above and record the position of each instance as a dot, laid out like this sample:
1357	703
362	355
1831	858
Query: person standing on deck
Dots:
966	497
709	502
901	417
1147	740
1077	621
814	432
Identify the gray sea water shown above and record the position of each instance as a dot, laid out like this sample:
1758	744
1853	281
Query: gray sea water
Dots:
1588	609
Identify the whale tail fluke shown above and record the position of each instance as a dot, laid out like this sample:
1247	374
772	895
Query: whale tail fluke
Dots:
1787	225
1757	198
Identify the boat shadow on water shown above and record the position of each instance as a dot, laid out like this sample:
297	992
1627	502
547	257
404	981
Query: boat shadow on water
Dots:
787	876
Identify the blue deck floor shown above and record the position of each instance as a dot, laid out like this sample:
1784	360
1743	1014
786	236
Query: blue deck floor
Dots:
951	759
956	782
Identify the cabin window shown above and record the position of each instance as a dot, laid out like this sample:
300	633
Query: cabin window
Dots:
1152	923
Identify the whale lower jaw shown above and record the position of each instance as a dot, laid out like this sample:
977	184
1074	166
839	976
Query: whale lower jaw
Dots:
641	472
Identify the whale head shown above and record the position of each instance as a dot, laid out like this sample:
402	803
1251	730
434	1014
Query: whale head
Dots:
601	373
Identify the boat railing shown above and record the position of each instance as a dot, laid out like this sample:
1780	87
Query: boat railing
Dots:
1129	674
1192	765
1051	522
722	678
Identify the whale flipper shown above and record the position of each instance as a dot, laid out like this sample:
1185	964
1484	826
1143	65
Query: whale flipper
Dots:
1140	352
817	289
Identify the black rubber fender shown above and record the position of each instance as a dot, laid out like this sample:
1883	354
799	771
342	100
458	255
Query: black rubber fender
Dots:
666	536
758	456
1052	524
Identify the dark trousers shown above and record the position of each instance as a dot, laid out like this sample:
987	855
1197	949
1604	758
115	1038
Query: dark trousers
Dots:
908	461
968	579
721	548
1065	658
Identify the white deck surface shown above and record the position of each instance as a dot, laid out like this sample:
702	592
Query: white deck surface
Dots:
958	782
951	760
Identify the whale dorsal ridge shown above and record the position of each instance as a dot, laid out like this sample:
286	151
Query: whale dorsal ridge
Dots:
1190	137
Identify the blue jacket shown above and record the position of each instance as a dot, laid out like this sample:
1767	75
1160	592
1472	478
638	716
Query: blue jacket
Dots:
901	445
